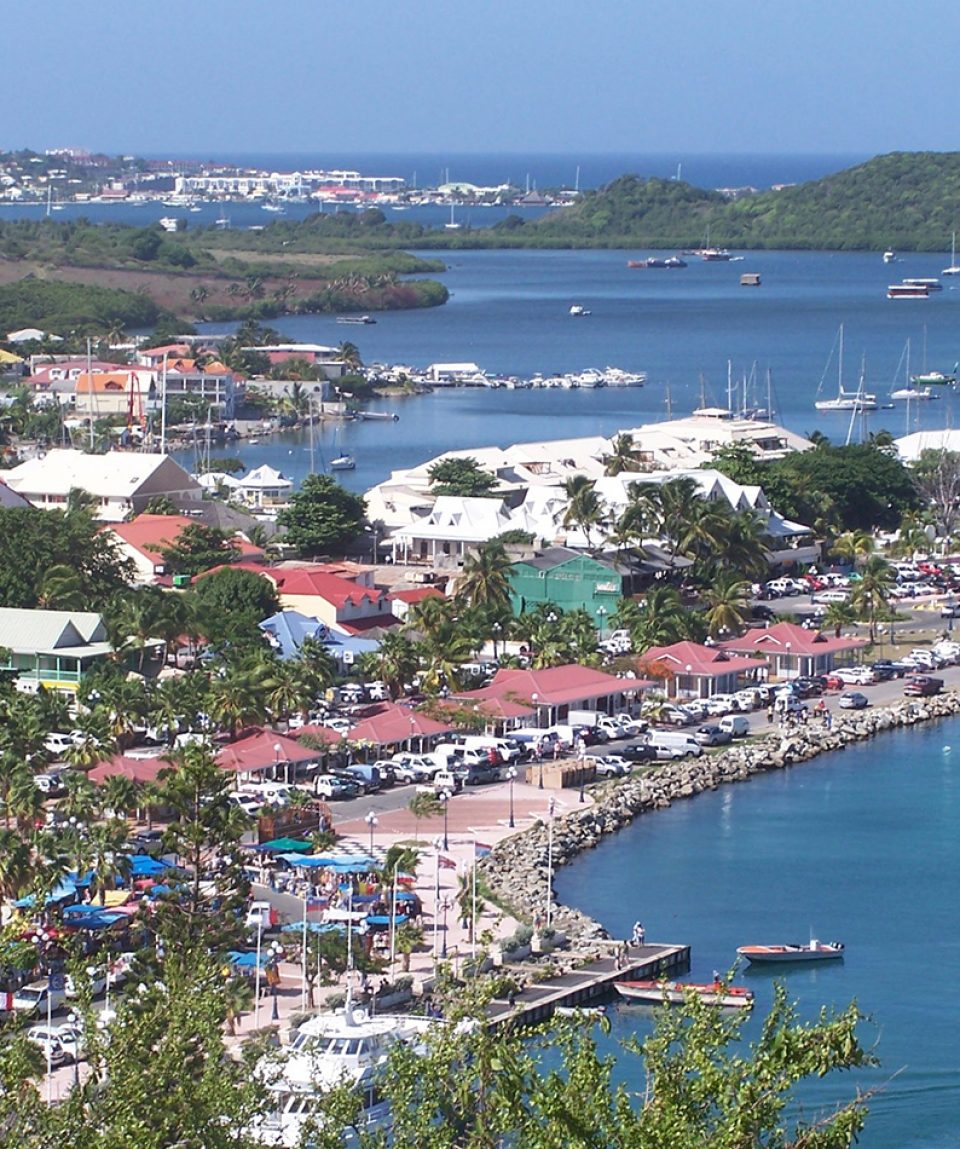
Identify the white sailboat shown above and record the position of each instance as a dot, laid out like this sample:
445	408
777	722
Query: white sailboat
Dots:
910	391
341	461
859	400
953	269
452	225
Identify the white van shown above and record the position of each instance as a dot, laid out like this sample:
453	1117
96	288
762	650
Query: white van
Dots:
508	751
673	744
735	725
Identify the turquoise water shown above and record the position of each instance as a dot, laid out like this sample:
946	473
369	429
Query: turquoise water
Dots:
861	846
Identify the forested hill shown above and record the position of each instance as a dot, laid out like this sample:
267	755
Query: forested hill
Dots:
905	200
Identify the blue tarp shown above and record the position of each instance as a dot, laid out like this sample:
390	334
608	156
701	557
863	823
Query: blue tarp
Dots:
314	928
247	960
60	893
90	917
143	866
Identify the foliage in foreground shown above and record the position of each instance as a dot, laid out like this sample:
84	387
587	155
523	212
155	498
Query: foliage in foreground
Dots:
163	1080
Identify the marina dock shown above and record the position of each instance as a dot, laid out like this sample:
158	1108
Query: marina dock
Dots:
588	984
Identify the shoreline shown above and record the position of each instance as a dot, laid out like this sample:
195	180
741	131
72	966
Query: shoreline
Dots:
516	872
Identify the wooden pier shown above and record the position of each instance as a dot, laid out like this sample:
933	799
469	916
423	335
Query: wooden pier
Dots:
587	984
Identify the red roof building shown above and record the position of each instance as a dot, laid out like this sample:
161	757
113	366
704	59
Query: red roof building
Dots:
553	692
140	770
141	540
693	670
395	725
402	600
793	650
260	751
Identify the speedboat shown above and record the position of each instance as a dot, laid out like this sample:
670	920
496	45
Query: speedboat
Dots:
913	393
330	1050
676	992
889	257
810	951
577	310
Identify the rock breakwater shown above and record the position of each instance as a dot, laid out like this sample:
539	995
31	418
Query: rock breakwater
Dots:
517	871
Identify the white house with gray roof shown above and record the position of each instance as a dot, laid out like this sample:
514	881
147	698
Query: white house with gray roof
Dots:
121	482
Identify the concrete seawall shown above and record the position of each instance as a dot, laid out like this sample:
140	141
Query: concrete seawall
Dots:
516	872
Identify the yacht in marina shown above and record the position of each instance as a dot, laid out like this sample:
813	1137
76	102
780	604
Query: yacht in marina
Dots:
845	400
347	1048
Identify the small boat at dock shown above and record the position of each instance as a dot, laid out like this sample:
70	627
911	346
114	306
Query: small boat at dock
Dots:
810	951
676	992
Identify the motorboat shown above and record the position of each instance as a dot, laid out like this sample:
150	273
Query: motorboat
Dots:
933	379
715	255
330	1050
931	284
358	319
794	952
889	256
912	394
578	311
676	992
908	291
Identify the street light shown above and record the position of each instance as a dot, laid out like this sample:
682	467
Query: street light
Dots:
551	807
445	906
511	774
786	647
371	820
496	628
72	1019
444	797
601	614
277	751
689	670
274	953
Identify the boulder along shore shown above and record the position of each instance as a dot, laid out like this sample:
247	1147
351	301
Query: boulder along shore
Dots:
516	871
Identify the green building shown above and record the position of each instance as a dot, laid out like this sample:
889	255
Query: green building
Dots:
566	579
51	648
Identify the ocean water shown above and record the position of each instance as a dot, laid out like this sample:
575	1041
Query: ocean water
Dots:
509	313
861	846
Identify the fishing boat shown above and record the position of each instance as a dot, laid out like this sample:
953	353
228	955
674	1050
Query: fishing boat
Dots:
953	269
676	992
794	952
859	400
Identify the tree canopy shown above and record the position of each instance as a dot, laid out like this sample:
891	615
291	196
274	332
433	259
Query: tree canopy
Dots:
322	515
461	476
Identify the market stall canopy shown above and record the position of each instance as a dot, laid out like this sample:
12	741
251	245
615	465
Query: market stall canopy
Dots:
285	846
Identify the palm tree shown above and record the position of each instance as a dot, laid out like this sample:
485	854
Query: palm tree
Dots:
423	806
871	593
485	581
838	615
106	846
16	864
289	690
119	794
409	937
395	662
349	353
469	908
585	509
664	619
62	588
727	600
237	1000
623	456
854	546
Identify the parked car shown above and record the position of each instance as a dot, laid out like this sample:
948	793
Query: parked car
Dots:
712	734
50	1045
638	752
853	700
98	983
922	686
147	842
262	917
608	766
33	998
828	597
334	788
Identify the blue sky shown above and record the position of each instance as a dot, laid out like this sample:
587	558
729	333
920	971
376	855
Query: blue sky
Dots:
174	77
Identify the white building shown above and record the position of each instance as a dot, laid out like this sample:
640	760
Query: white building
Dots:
911	447
121	482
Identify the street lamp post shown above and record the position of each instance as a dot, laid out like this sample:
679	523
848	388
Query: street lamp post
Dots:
72	1020
277	751
275	952
256	986
496	629
551	807
445	905
444	797
583	777
786	647
371	820
511	775
601	614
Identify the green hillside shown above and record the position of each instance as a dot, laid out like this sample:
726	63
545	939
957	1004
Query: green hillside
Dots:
905	200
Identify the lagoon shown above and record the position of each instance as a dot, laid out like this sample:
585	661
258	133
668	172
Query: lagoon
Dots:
861	846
